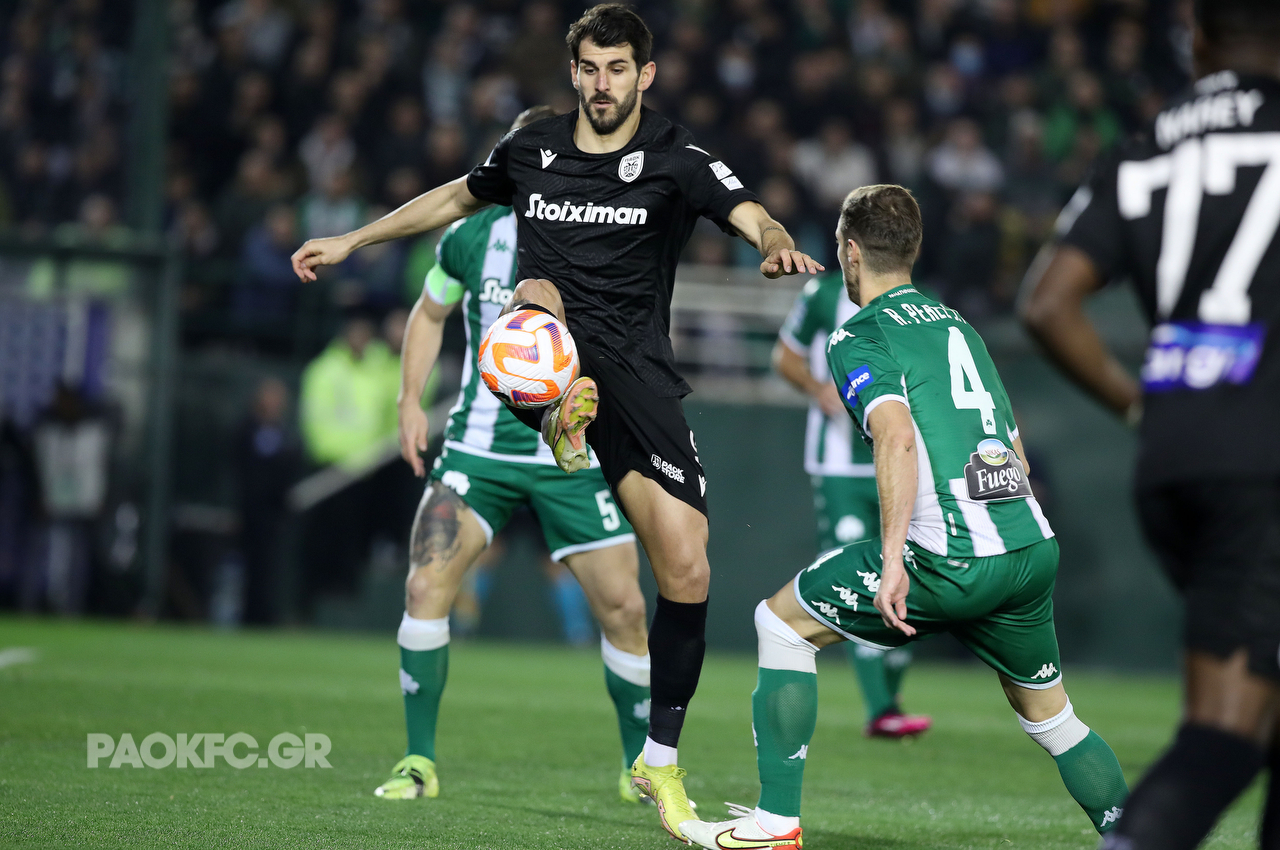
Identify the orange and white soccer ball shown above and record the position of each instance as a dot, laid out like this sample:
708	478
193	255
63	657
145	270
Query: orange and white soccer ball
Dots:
528	358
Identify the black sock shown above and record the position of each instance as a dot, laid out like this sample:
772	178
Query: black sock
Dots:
677	643
1179	800
1270	836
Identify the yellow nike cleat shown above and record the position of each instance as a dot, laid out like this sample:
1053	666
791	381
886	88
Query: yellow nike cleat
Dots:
665	787
741	833
628	792
565	422
412	777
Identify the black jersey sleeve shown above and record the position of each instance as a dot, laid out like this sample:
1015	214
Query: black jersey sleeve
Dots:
1091	221
490	180
709	185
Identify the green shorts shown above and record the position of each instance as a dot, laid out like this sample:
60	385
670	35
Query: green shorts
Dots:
576	512
848	510
1001	607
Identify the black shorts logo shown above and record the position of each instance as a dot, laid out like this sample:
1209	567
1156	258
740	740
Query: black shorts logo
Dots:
993	473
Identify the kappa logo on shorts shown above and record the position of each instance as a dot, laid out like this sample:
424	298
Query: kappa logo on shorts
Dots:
870	581
672	471
456	481
1046	671
1111	815
847	596
828	610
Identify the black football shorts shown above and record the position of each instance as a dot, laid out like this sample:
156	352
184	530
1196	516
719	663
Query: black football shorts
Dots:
1219	541
635	429
638	430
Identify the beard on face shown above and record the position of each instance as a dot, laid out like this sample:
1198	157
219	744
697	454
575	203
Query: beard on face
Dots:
853	285
613	118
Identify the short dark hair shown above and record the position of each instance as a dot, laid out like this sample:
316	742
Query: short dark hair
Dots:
1232	19
884	220
533	113
609	25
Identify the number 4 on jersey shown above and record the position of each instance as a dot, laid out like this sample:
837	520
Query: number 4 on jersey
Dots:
962	368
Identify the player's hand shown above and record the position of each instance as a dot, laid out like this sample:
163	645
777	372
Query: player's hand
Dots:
413	436
828	398
319	252
788	261
891	598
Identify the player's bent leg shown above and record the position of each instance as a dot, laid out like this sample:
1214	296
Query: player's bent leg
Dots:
610	579
446	539
1088	767
538	292
674	535
784	712
1219	749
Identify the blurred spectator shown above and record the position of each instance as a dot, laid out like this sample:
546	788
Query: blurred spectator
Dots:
347	402
1083	107
349	419
326	150
402	145
72	454
962	162
243	204
904	144
266	459
834	164
970	249
538	56
267	290
334	210
267	29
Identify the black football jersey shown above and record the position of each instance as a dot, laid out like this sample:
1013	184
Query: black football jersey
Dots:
1190	214
608	229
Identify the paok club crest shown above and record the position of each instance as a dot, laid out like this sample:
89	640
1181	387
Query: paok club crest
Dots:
631	166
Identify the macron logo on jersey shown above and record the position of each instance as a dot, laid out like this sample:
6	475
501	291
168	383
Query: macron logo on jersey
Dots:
854	381
588	213
547	157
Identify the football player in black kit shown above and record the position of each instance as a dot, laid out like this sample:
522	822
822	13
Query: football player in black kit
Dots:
1190	214
606	198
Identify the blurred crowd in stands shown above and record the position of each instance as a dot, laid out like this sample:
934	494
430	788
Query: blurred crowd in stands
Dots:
291	119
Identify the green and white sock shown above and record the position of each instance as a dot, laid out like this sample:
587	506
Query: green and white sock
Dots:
424	666
627	678
896	662
784	712
869	666
1088	767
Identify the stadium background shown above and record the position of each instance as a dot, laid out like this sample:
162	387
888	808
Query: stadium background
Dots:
160	161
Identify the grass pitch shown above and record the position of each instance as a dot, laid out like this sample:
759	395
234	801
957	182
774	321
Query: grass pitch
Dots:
528	749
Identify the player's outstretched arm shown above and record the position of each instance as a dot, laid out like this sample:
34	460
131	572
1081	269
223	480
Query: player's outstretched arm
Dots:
754	224
430	210
795	369
1053	312
894	436
422	338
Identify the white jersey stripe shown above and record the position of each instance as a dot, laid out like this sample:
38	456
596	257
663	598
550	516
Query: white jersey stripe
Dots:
928	529
1036	512
485	407
982	530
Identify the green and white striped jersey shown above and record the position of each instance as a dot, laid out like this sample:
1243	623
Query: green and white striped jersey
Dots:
973	498
476	263
829	445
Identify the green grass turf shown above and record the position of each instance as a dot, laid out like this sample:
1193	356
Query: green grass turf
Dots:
528	749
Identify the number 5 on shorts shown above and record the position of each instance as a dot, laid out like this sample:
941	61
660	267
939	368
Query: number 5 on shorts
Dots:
608	511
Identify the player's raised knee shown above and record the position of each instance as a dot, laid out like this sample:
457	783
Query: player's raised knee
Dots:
539	291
